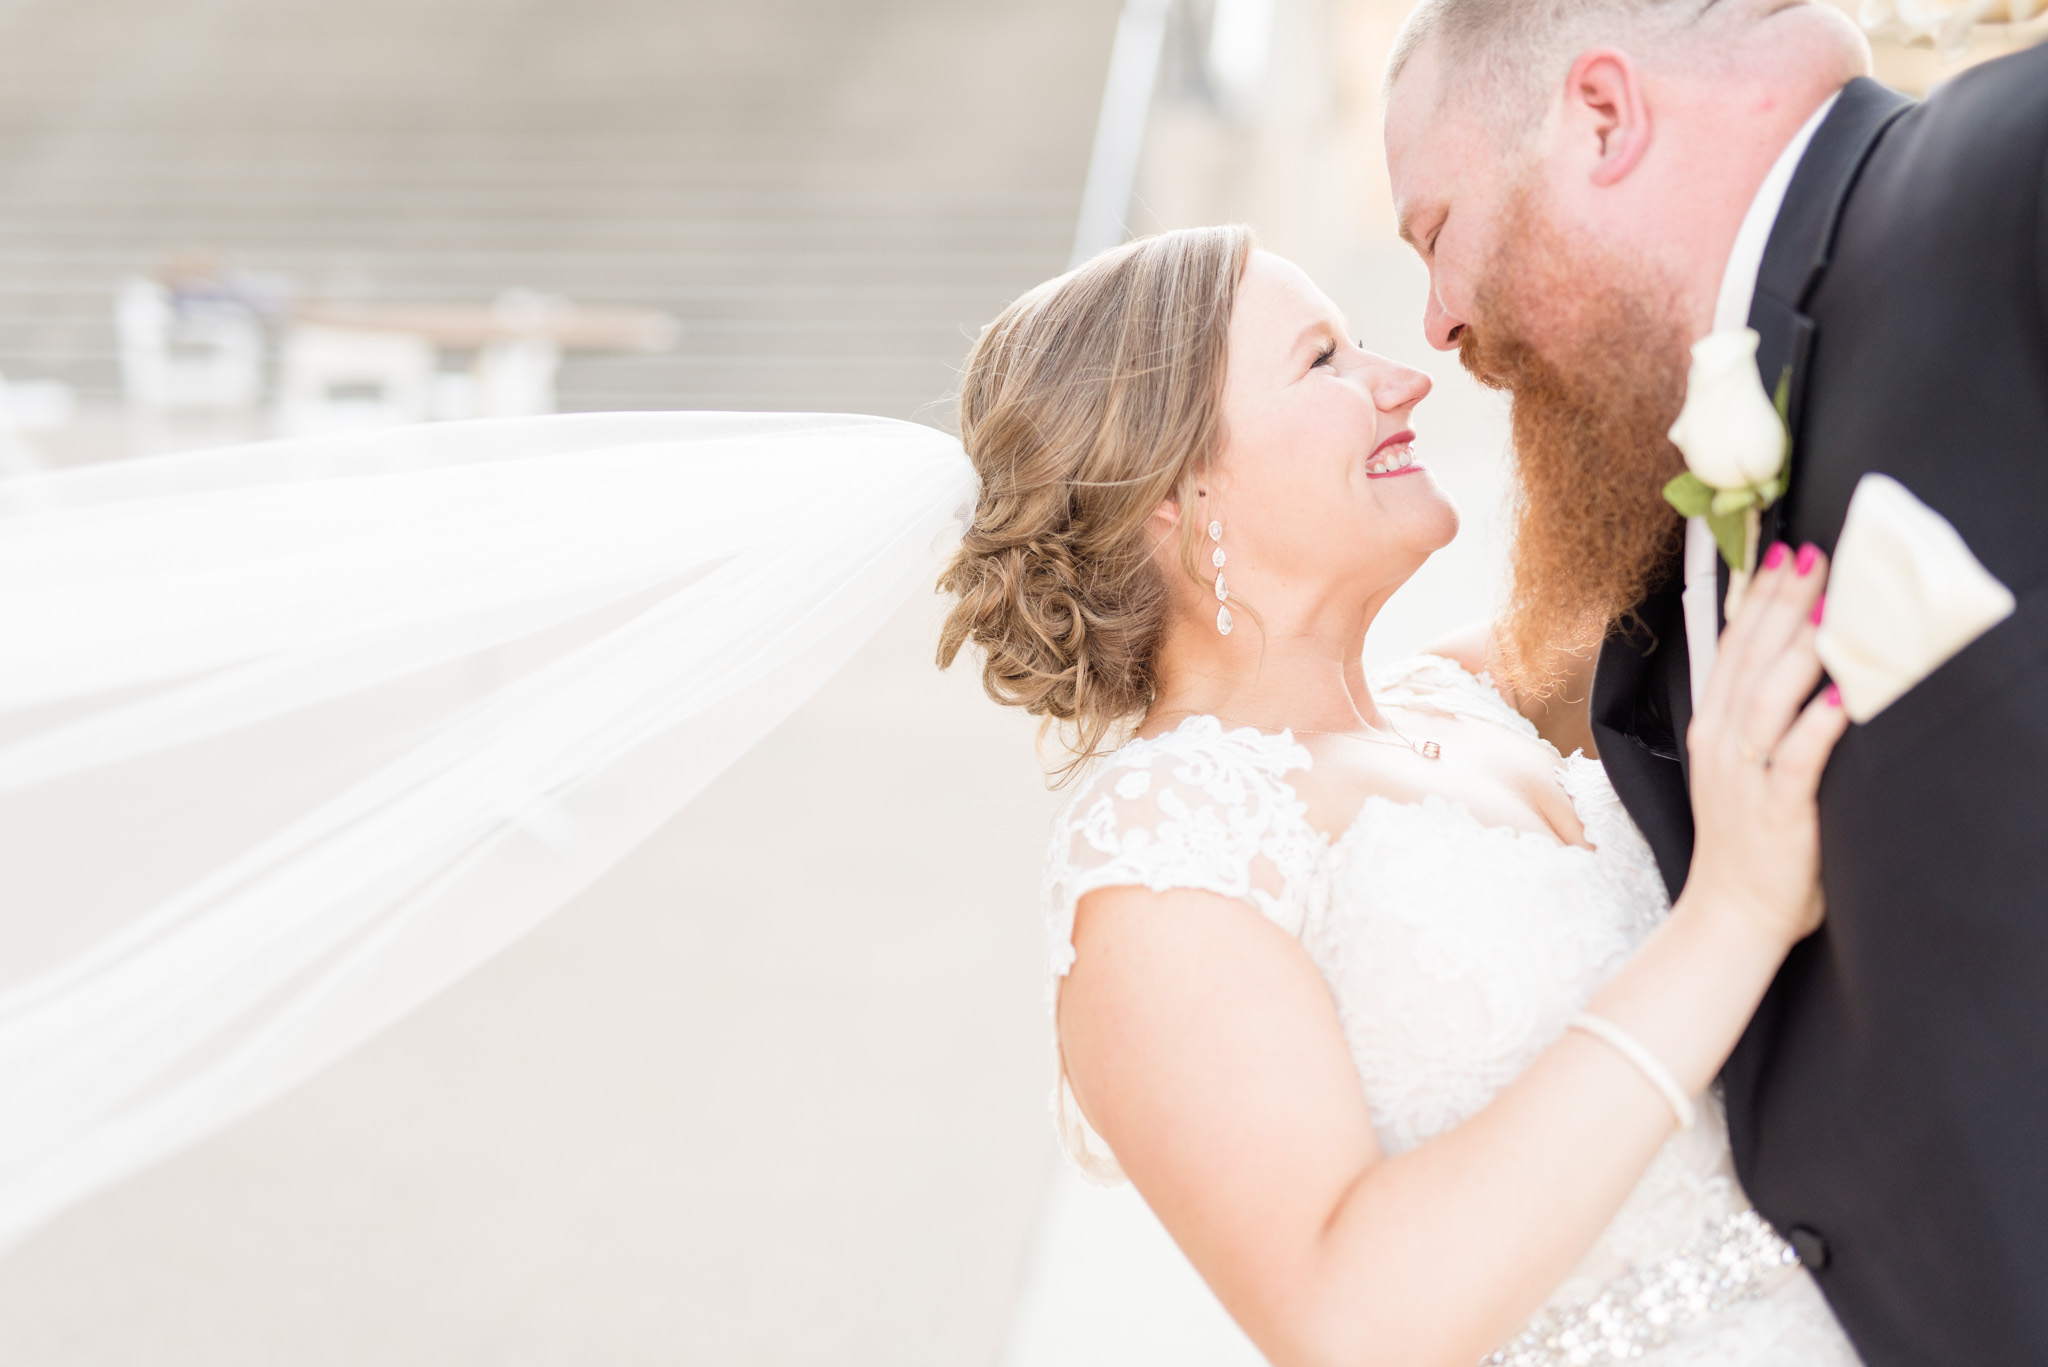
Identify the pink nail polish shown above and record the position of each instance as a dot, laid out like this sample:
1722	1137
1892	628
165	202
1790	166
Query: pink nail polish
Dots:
1819	607
1808	555
1775	556
1834	695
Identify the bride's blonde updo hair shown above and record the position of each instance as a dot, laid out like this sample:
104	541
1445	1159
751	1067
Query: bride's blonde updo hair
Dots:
1086	404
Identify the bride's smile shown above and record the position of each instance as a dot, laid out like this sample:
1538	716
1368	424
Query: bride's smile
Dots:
1314	428
1394	456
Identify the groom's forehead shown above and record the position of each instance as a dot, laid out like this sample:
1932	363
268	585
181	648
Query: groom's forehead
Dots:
1436	144
1434	88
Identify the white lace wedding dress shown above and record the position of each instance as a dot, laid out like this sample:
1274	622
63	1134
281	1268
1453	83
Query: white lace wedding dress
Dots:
1456	952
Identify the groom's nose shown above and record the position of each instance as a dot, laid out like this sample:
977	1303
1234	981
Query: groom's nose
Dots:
1443	328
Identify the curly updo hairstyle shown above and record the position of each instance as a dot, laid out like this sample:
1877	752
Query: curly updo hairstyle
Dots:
1087	403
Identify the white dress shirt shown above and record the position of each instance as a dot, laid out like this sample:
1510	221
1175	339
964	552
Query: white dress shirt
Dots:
1701	594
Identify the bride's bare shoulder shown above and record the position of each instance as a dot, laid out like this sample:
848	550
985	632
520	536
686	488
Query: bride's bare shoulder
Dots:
1560	715
1470	648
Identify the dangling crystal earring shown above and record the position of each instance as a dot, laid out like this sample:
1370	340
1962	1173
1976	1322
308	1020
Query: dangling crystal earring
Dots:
1217	558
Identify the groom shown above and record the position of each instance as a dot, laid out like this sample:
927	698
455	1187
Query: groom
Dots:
1595	184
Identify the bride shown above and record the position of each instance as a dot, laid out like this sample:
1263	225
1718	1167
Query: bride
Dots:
1373	993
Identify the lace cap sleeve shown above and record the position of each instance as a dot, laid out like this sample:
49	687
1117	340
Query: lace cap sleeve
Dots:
1198	808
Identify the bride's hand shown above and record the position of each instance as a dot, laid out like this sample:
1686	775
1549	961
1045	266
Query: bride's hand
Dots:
1757	754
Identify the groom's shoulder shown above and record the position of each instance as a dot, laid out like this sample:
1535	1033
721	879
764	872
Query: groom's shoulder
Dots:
1961	177
1993	115
2018	76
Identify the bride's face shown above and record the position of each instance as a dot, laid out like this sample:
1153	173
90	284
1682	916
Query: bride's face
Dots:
1318	481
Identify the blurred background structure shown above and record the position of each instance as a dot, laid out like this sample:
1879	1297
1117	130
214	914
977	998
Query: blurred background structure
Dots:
785	204
773	1092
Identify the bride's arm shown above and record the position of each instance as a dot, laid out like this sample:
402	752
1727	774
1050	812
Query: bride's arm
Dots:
1203	1045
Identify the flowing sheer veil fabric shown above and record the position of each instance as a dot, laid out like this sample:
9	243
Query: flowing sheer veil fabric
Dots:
410	692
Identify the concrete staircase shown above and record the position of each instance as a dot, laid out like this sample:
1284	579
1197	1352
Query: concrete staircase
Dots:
830	197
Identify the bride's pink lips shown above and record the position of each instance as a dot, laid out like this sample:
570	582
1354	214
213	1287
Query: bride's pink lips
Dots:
1413	467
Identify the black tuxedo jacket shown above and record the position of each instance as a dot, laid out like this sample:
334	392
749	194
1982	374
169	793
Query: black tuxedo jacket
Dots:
1889	1103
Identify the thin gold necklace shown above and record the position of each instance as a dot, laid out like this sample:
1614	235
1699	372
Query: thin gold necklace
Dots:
1428	749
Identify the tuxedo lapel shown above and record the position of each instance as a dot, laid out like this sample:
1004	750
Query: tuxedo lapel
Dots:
1642	669
1802	243
1642	689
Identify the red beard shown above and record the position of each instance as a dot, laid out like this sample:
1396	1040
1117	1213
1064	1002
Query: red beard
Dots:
1593	351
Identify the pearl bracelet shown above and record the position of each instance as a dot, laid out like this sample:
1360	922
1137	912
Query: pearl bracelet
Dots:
1631	1048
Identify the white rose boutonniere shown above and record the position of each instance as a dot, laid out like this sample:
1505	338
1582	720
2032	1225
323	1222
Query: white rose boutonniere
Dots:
1737	448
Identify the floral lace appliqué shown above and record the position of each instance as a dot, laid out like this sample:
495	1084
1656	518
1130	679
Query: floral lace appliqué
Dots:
1455	953
1199	808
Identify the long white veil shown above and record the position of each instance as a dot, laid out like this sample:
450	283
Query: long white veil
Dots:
293	735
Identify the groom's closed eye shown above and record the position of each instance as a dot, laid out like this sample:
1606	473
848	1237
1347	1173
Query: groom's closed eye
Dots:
1424	243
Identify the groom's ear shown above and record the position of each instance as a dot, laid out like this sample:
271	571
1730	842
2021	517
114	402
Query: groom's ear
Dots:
1606	119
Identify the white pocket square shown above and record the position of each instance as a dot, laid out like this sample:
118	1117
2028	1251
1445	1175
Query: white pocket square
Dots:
1904	595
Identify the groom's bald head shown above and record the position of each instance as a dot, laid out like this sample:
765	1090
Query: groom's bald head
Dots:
1627	114
1508	55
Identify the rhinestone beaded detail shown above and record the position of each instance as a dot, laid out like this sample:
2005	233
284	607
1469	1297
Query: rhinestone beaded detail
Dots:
1734	1260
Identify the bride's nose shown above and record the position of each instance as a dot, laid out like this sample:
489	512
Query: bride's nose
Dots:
1396	387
